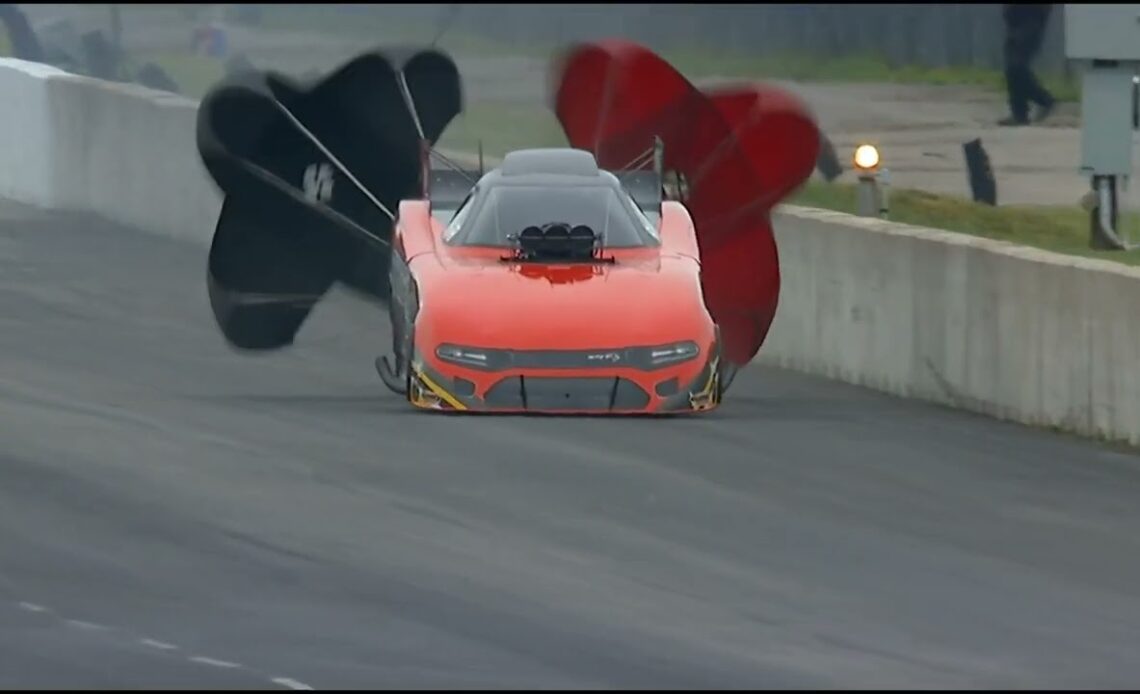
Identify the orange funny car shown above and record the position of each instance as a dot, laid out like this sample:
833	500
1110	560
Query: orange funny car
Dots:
549	288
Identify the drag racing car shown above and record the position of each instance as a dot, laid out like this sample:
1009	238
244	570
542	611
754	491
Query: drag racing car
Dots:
633	271
587	302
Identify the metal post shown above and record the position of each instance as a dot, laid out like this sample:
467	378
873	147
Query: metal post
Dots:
869	201
1105	216
868	198
658	156
425	167
884	193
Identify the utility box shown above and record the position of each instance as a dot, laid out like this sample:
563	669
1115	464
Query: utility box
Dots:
1104	43
1102	32
1106	121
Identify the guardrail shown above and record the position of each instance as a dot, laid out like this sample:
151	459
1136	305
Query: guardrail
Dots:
1012	332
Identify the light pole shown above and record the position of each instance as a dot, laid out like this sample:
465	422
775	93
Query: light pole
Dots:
872	196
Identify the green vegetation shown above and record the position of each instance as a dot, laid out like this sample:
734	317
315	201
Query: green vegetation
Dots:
853	68
503	127
194	74
1054	228
317	19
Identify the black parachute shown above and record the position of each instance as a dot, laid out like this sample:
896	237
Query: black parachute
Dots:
312	174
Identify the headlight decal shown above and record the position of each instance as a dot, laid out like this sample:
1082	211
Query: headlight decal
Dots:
641	358
671	354
466	356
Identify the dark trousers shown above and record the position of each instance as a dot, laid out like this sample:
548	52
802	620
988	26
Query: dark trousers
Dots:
1023	88
1021	46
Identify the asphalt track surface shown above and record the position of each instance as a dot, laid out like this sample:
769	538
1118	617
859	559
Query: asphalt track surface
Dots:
173	514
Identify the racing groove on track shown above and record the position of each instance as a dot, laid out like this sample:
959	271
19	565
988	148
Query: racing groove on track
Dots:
286	515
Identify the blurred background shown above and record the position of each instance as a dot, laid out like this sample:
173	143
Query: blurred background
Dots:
917	80
940	43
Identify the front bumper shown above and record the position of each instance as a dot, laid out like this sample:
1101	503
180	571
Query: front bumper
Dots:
594	391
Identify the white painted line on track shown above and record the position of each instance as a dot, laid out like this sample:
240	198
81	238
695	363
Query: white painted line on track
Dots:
286	682
86	626
213	662
291	684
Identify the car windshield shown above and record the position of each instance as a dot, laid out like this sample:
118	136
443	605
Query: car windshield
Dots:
507	210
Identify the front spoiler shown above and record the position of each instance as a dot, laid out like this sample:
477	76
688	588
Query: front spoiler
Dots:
584	395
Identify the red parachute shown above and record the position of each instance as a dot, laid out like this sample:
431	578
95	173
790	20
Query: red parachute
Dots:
738	150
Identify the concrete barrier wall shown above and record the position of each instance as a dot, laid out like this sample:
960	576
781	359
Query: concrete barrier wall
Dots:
1003	330
128	154
121	151
1012	332
26	172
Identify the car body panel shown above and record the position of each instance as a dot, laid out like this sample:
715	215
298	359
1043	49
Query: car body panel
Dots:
567	330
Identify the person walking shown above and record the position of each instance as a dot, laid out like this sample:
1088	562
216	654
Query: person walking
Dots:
1024	32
